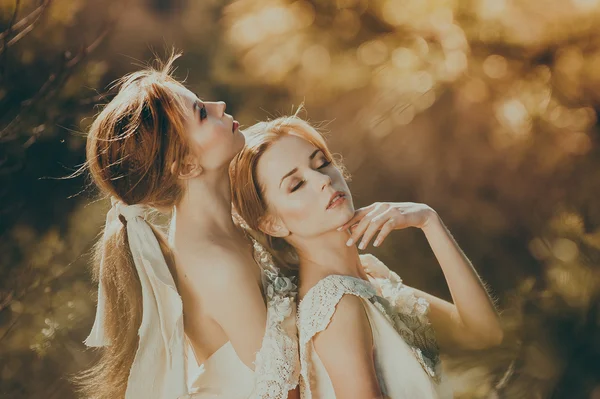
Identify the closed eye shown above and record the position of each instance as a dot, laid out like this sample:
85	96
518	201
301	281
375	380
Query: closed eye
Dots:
297	186
325	164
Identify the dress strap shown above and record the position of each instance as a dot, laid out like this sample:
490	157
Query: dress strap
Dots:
318	305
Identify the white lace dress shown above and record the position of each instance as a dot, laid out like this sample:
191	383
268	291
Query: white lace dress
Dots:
277	365
405	350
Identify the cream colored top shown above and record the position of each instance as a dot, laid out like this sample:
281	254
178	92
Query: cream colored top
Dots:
405	351
222	375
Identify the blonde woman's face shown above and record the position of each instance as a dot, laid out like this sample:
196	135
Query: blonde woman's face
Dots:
214	135
304	190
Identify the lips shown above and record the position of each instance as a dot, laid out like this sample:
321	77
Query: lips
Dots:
336	198
235	126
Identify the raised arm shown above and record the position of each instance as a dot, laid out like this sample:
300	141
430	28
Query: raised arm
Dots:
346	350
472	321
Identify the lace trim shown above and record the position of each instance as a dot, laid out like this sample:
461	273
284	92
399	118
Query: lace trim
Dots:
276	364
316	310
409	315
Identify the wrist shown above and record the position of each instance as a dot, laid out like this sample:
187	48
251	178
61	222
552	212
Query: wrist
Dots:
432	220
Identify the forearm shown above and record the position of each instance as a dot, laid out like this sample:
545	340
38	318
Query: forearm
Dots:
475	314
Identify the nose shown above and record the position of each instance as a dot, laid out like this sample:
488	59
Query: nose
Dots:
324	181
222	107
219	107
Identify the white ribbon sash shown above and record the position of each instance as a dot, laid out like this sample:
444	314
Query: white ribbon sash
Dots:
158	369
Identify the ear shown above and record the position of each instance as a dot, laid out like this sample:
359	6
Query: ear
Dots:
188	168
273	226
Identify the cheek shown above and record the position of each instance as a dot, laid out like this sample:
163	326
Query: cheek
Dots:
213	144
201	139
296	211
215	137
302	214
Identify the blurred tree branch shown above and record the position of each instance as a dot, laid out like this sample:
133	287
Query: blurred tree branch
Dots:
10	327
23	27
52	85
4	36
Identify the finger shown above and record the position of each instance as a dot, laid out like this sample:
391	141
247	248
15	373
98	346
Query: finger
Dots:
358	215
369	233
362	226
376	223
386	229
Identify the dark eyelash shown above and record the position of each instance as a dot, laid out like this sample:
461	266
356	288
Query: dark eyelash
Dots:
203	114
325	164
297	186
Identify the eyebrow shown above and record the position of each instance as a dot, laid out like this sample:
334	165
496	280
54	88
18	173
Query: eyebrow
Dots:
288	174
291	172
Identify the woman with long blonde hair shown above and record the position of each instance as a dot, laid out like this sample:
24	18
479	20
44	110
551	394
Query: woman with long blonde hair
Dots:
363	333
203	304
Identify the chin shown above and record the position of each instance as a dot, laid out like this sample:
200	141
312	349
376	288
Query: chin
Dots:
348	206
343	215
239	142
348	215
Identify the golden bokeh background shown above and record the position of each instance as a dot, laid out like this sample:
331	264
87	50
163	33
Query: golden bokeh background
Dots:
487	110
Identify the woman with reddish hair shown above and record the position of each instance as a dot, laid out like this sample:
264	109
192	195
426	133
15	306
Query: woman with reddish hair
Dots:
362	332
202	304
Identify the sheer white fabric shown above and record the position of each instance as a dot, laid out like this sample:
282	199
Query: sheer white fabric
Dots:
405	351
408	313
223	375
160	369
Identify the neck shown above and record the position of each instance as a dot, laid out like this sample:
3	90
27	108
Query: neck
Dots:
205	210
326	255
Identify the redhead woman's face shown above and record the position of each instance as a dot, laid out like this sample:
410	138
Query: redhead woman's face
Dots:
214	135
304	191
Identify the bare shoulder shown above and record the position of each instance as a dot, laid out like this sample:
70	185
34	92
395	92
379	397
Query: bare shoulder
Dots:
346	348
349	319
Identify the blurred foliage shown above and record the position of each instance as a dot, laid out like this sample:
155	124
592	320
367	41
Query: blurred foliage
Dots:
487	110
